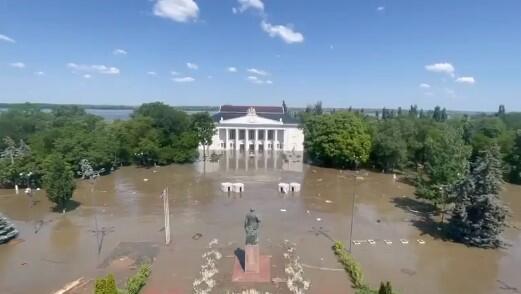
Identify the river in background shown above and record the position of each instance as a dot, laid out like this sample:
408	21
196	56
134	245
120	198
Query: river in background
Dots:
59	248
112	114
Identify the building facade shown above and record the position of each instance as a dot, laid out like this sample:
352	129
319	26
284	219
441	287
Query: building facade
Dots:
256	128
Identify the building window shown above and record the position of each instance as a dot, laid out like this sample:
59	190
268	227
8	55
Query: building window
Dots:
222	145
270	134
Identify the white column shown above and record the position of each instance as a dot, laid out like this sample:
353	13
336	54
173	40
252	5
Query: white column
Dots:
226	144
256	146
245	140
265	147
276	137
236	139
282	141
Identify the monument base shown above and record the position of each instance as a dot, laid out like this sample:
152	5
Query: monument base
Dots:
262	276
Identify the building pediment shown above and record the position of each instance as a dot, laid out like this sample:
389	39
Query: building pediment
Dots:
250	119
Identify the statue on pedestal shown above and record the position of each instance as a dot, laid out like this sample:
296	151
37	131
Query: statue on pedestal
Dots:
251	226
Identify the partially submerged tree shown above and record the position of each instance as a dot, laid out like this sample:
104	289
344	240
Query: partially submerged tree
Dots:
204	128
389	146
341	139
58	180
445	162
479	216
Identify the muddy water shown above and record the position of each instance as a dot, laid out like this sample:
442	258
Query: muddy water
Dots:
60	248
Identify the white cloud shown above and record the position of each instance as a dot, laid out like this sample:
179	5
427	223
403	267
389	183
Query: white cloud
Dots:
152	73
247	4
466	80
380	8
254	79
119	52
177	10
451	93
257	80
6	39
192	65
94	68
87	76
232	69
286	33
17	65
259	72
443	67
183	80
425	86
39	73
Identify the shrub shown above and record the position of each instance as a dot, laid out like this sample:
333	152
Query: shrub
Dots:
106	285
354	270
137	282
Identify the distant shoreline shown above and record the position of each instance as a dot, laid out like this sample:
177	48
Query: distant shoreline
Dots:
210	108
103	107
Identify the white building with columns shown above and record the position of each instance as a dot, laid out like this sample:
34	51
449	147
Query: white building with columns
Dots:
256	128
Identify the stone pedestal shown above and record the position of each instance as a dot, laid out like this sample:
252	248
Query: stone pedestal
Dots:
252	259
257	268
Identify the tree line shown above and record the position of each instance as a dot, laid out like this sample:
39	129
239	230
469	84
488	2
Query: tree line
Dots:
456	163
45	148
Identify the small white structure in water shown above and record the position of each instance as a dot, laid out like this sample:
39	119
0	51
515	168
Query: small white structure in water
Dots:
294	187
226	187
238	187
283	188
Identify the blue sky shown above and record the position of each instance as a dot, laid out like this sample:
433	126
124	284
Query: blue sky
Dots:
366	53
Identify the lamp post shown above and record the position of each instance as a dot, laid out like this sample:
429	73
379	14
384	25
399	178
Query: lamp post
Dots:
353	206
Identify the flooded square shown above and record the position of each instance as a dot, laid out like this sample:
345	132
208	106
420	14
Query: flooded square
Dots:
391	239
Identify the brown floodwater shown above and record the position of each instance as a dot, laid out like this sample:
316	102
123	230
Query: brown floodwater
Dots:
59	248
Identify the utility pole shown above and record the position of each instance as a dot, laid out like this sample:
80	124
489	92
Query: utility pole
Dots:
352	213
166	209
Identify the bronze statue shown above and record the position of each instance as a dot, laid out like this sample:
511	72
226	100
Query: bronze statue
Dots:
251	226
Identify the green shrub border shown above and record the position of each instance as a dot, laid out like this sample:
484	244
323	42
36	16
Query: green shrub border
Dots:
354	270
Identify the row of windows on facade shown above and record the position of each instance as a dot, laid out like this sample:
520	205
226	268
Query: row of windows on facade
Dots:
252	146
251	134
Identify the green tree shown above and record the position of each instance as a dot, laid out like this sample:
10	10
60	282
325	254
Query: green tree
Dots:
317	109
489	130
389	147
514	161
341	139
168	120
501	111
204	128
58	180
446	160
385	288
479	216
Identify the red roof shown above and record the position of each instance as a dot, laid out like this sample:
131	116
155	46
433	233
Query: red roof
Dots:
258	109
